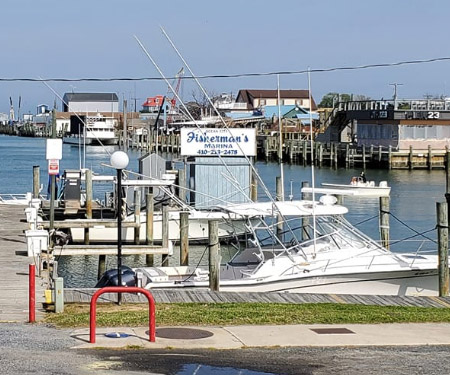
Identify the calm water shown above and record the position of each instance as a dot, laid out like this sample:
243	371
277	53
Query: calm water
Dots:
413	196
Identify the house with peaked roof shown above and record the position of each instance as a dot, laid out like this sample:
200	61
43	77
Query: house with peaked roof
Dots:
259	98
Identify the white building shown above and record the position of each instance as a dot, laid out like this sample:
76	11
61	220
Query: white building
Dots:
90	102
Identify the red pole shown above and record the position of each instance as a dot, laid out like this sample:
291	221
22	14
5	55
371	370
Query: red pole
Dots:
31	293
122	289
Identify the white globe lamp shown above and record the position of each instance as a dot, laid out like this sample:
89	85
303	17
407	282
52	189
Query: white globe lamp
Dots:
119	160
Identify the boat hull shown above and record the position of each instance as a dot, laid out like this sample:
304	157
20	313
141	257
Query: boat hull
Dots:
361	191
198	231
90	141
397	283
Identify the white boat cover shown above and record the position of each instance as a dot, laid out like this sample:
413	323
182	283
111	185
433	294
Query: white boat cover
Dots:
285	208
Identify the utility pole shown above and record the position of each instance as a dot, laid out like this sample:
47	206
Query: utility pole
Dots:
395	92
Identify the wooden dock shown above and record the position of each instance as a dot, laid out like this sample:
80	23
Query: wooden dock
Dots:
207	296
14	264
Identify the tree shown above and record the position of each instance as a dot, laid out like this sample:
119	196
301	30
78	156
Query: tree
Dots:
330	99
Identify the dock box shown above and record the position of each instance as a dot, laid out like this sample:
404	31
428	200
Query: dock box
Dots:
37	240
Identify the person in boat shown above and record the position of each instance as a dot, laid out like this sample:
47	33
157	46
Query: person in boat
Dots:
363	177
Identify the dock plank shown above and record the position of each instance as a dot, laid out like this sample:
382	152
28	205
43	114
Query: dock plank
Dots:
14	265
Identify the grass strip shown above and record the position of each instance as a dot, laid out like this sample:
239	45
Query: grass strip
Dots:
192	314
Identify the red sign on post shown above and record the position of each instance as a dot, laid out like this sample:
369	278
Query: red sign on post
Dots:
53	166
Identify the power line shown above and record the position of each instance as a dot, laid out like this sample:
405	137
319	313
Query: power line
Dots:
239	75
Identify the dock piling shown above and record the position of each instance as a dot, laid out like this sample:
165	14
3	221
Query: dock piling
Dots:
36	184
384	221
442	226
184	238
213	233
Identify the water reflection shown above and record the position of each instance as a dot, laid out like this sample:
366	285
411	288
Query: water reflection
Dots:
197	369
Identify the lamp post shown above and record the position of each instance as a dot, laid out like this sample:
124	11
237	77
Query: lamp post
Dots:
119	160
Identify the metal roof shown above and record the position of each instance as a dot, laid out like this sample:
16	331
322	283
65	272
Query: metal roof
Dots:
90	97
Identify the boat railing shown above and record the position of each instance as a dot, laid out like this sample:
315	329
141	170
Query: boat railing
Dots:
14	198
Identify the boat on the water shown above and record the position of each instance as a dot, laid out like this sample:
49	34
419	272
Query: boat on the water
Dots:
92	130
332	257
362	188
230	226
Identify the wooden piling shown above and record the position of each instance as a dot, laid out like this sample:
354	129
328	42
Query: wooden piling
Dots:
335	161
137	216
149	227
36	184
254	187
214	270
347	155
430	158
101	266
320	155
442	227
305	153
182	184
384	221
165	234
89	197
184	238
364	156
390	157
410	158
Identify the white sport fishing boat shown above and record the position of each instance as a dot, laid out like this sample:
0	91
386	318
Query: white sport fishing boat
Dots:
337	258
230	226
362	188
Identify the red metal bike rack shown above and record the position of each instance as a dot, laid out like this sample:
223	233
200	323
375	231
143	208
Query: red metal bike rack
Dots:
122	289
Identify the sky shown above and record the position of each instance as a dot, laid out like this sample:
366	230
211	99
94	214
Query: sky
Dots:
95	39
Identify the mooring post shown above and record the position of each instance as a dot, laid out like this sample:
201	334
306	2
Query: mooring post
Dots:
149	227
410	158
320	155
336	151
364	156
101	266
305	153
88	206
447	180
182	184
254	187
384	221
390	157
347	155
137	216
430	158
165	234
184	238
442	226
36	184
214	261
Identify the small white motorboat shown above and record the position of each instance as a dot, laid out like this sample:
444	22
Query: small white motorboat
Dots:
362	188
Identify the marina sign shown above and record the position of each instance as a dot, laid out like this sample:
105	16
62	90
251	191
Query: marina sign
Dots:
213	142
